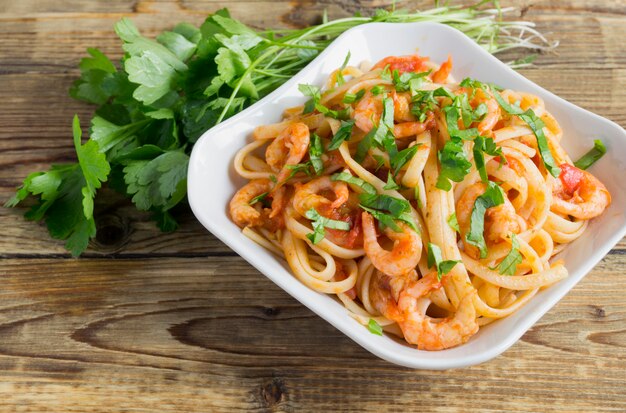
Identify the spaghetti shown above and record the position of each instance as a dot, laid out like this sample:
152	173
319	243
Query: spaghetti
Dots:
430	207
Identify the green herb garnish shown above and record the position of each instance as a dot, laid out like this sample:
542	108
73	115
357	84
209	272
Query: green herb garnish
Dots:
435	260
343	133
509	264
536	125
374	327
452	221
592	156
398	209
320	222
492	196
354	180
316	149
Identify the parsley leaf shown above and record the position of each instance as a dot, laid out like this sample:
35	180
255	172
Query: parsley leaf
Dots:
484	145
374	327
66	194
509	264
353	97
452	221
159	182
592	156
343	133
454	164
399	209
316	149
536	125
493	196
408	80
354	180
401	158
391	184
422	102
434	259
150	65
314	93
320	222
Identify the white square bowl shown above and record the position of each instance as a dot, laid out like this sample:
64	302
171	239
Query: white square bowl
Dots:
212	182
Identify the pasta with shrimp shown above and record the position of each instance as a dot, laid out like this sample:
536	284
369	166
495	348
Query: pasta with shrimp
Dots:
430	207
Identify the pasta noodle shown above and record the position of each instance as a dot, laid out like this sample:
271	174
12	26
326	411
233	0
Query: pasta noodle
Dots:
429	207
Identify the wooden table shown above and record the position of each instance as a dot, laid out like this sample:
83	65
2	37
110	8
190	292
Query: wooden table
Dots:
147	322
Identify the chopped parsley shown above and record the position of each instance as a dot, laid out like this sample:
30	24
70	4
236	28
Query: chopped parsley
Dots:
592	156
536	125
391	183
354	180
391	207
493	196
316	149
408	80
509	264
401	158
374	327
353	97
343	133
452	221
454	164
436	260
484	145
320	222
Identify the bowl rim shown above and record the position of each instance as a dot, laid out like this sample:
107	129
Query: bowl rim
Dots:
370	344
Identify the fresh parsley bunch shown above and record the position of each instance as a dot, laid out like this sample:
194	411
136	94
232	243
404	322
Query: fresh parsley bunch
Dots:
166	92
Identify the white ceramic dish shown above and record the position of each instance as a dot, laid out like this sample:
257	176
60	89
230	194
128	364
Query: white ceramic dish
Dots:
212	182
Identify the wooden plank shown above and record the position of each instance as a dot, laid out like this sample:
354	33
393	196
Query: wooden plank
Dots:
180	335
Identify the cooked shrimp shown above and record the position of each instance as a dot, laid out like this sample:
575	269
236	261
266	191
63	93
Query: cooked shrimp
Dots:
443	72
579	194
421	330
241	211
287	149
407	129
402	107
399	300
411	63
493	111
403	257
369	109
349	212
500	221
313	195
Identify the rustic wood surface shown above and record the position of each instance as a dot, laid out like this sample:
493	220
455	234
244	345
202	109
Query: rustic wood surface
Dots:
147	322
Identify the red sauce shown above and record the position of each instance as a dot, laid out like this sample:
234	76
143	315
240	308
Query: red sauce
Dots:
412	63
571	178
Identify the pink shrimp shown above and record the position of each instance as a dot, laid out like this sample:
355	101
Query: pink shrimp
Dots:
287	149
397	299
402	258
500	221
578	193
312	195
443	72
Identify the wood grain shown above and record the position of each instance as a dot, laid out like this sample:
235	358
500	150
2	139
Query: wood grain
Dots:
216	335
178	323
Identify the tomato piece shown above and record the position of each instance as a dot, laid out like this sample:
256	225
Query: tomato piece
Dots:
411	63
571	178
